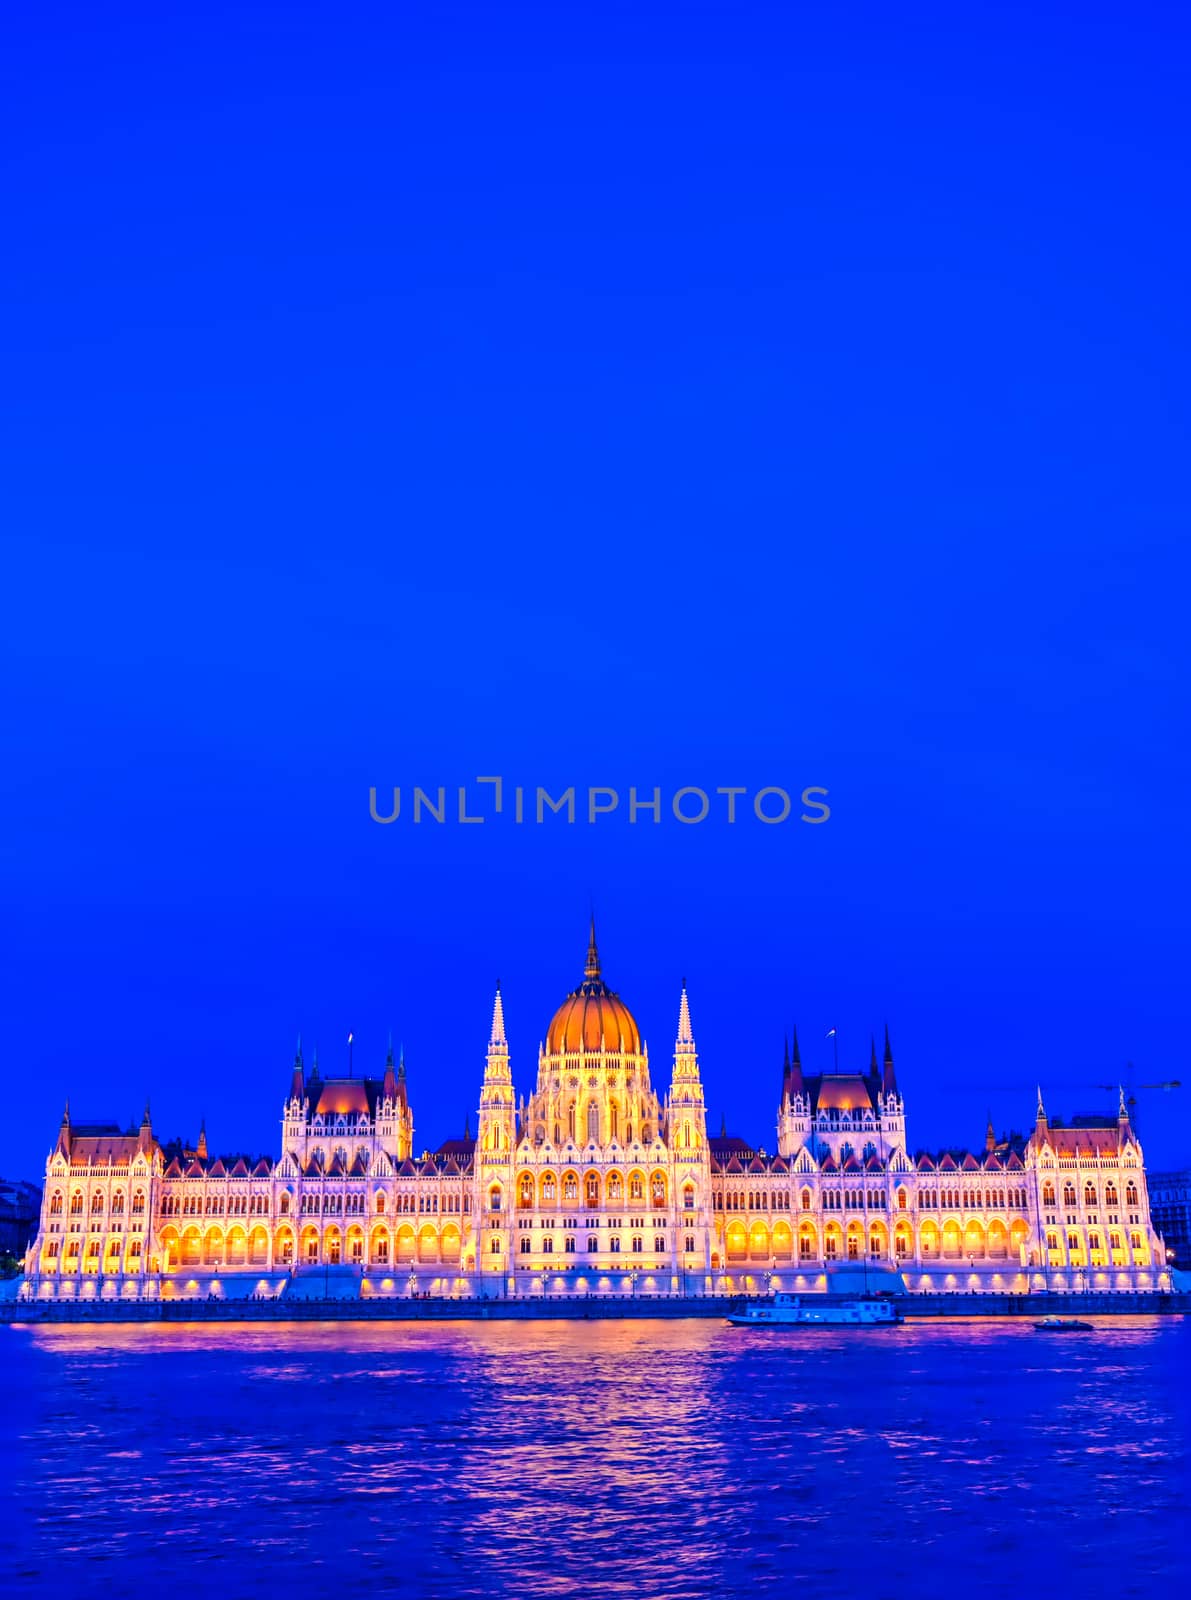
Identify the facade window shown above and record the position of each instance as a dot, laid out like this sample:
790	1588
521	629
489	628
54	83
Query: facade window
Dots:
56	1204
524	1246
568	1244
548	1245
638	1244
593	1244
659	1243
690	1243
96	1204
614	1246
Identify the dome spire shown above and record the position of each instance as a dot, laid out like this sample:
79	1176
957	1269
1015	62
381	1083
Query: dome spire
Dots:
592	969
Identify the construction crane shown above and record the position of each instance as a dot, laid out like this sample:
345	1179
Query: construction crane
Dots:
1129	1088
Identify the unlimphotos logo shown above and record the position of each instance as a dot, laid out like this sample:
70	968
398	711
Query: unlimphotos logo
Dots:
727	803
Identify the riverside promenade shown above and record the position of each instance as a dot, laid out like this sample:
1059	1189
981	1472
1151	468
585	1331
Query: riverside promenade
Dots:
575	1308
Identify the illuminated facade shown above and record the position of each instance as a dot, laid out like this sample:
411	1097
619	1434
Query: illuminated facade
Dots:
594	1184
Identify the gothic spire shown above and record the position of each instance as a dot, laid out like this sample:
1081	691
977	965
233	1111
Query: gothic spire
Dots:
592	970
497	1040
684	1045
1040	1115
888	1077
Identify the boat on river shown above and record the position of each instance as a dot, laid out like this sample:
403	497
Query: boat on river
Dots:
807	1311
1063	1325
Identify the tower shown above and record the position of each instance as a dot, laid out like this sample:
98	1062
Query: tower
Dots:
890	1104
793	1114
495	1138
686	1136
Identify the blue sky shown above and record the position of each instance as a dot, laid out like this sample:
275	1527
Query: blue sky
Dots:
621	395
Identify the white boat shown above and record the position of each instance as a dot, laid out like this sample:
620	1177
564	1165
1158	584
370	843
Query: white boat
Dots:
792	1310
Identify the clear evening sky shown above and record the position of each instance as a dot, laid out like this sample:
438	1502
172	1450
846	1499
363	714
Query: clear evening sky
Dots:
622	395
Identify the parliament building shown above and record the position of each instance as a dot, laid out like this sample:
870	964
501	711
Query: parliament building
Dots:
598	1183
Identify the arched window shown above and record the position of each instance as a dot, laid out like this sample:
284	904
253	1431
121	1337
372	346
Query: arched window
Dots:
1048	1193
380	1205
494	1197
118	1203
1131	1194
96	1203
1110	1194
56	1203
806	1199
688	1198
592	1189
1089	1194
570	1187
593	1122
1068	1194
526	1190
636	1187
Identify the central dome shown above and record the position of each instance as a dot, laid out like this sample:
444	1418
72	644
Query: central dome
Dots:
593	1018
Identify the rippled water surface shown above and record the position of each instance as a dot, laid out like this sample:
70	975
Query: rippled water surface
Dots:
647	1459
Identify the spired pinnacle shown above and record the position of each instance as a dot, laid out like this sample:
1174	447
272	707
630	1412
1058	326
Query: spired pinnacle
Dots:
592	970
497	1040
685	1043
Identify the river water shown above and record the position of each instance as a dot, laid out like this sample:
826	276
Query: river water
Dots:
649	1459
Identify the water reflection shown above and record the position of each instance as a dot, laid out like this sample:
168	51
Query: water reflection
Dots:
612	1459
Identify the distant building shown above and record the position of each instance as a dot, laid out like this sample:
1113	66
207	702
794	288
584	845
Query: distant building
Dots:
20	1207
1170	1207
596	1183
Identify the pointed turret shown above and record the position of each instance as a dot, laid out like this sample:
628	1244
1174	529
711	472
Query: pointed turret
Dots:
795	1066
388	1088
402	1091
592	970
64	1131
145	1137
990	1137
1040	1114
1123	1118
297	1088
888	1076
200	1148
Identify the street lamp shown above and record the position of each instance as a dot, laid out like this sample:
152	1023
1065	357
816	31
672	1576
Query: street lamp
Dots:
412	1281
